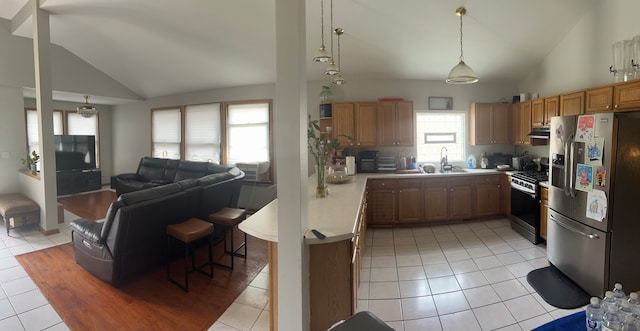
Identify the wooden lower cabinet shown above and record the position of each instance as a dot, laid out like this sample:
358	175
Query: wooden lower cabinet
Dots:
460	198
435	200
409	201
382	200
330	283
544	211
334	276
488	195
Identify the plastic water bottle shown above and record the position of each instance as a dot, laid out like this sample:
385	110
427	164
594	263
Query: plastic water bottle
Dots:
629	324
625	309
618	293
609	300
611	319
634	302
594	315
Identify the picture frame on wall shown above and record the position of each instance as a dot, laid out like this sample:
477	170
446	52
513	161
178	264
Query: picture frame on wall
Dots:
440	103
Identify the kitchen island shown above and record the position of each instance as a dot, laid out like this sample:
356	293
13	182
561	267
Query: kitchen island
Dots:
334	262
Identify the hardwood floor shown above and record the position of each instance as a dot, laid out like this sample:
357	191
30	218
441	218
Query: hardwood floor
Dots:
148	302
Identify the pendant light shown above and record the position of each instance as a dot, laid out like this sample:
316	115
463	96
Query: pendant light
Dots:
87	110
332	69
338	80
322	56
461	73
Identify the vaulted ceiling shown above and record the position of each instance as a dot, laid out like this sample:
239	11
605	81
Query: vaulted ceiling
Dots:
163	47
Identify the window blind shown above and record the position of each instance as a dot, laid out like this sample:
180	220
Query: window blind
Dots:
202	132
166	133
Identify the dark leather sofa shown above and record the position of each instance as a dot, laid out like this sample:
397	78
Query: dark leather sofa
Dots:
132	238
154	172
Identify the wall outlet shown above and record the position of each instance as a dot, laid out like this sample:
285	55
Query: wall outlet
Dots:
5	155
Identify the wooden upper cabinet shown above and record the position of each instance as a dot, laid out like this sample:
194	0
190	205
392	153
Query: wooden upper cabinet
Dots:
366	124
537	113
599	100
344	121
626	96
405	123
490	123
551	109
480	125
396	123
572	103
356	120
522	123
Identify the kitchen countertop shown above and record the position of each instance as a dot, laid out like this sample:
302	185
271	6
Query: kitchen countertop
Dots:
336	215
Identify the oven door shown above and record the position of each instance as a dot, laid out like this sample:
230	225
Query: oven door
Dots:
367	166
525	214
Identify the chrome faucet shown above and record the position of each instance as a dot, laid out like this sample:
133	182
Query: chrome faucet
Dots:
443	159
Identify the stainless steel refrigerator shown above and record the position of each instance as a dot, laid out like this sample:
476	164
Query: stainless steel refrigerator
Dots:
594	200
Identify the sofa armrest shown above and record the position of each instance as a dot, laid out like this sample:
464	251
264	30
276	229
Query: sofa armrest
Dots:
88	229
130	176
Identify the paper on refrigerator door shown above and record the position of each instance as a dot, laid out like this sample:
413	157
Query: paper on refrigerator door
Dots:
597	205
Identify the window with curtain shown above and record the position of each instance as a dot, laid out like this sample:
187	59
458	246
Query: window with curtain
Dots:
84	126
166	133
202	133
436	130
33	140
248	132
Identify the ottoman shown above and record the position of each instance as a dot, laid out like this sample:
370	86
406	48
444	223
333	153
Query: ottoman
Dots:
17	211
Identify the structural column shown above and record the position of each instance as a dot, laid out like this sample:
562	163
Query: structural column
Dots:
44	104
291	159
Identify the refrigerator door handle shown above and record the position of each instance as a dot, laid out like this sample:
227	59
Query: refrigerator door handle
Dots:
567	163
572	178
590	236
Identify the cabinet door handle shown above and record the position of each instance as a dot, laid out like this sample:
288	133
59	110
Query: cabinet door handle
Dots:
607	106
616	106
451	189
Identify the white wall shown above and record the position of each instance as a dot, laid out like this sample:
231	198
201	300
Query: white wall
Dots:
104	113
131	127
582	59
13	139
418	92
69	72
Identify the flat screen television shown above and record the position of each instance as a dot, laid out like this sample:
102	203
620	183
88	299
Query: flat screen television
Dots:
75	152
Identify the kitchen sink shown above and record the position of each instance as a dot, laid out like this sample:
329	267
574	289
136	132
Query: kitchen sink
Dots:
453	171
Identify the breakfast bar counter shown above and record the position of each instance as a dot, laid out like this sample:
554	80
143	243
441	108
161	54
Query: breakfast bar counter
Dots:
335	261
336	215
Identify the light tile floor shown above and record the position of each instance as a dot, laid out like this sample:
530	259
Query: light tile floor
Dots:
469	276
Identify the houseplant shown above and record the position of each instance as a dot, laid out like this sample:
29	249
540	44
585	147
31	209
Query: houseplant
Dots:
321	145
31	162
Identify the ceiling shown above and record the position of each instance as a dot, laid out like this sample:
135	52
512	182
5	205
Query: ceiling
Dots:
164	47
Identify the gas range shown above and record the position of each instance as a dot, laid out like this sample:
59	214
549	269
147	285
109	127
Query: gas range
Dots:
527	181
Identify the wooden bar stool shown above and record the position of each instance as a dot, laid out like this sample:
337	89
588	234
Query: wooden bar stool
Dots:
229	218
188	232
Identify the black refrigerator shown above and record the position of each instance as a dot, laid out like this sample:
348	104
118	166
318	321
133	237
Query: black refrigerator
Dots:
594	201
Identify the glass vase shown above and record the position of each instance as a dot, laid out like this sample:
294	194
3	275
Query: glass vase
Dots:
326	96
321	185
